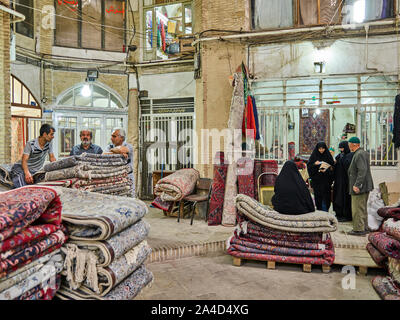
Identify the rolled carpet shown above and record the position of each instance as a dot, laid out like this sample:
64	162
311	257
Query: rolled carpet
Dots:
87	172
387	245
389	212
32	252
20	207
42	291
386	288
318	221
176	186
39	278
243	252
101	280
22	273
325	250
108	250
95	216
126	290
376	255
392	228
249	228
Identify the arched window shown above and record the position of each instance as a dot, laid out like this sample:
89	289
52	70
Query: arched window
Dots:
90	95
23	103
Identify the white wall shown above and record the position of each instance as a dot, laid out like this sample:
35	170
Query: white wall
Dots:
384	175
167	85
342	57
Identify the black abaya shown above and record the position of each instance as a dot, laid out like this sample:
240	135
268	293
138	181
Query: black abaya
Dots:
321	181
291	192
341	196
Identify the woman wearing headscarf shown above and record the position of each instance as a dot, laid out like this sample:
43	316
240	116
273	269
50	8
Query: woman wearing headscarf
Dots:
341	196
291	192
319	169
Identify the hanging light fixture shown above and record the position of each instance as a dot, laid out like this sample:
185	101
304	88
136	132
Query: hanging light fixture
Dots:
86	91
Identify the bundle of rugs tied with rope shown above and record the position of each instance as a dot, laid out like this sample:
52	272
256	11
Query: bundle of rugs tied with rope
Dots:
266	235
104	173
107	247
384	248
31	235
174	188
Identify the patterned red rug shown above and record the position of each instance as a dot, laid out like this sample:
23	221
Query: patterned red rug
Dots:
218	191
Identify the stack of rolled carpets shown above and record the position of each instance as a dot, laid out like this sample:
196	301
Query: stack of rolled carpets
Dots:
31	235
384	248
175	187
105	256
105	173
270	236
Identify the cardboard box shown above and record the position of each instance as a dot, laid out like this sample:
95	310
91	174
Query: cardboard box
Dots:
390	192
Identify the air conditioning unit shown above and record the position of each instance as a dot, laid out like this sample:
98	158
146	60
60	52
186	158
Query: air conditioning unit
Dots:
185	44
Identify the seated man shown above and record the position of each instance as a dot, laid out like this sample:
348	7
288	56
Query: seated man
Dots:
120	146
33	157
86	145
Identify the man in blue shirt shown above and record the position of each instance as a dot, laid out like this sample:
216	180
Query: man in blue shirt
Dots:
86	145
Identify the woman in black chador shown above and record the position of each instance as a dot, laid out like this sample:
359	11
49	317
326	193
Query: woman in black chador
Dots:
341	196
319	168
291	192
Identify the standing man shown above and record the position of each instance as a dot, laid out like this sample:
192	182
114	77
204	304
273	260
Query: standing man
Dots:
360	185
120	146
86	145
33	157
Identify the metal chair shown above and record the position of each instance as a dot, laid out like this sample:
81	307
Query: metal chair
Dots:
201	193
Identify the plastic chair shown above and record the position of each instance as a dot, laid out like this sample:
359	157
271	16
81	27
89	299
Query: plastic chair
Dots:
265	193
202	193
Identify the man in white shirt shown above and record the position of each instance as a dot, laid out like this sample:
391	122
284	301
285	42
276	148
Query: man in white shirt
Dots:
120	146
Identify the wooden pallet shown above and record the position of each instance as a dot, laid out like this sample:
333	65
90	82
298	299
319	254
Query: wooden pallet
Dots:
359	258
272	264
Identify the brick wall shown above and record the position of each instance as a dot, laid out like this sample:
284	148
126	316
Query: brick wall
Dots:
45	35
219	60
5	109
58	81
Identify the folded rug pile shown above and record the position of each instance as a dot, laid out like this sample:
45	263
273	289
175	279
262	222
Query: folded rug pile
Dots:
175	187
270	236
104	173
384	248
104	258
31	235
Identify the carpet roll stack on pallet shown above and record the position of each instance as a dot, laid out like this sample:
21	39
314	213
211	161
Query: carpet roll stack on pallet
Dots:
104	258
267	235
103	173
384	248
31	235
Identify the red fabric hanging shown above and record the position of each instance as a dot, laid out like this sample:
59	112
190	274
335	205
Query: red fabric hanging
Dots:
164	46
249	121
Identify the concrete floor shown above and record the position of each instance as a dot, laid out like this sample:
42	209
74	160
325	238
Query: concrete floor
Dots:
210	278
